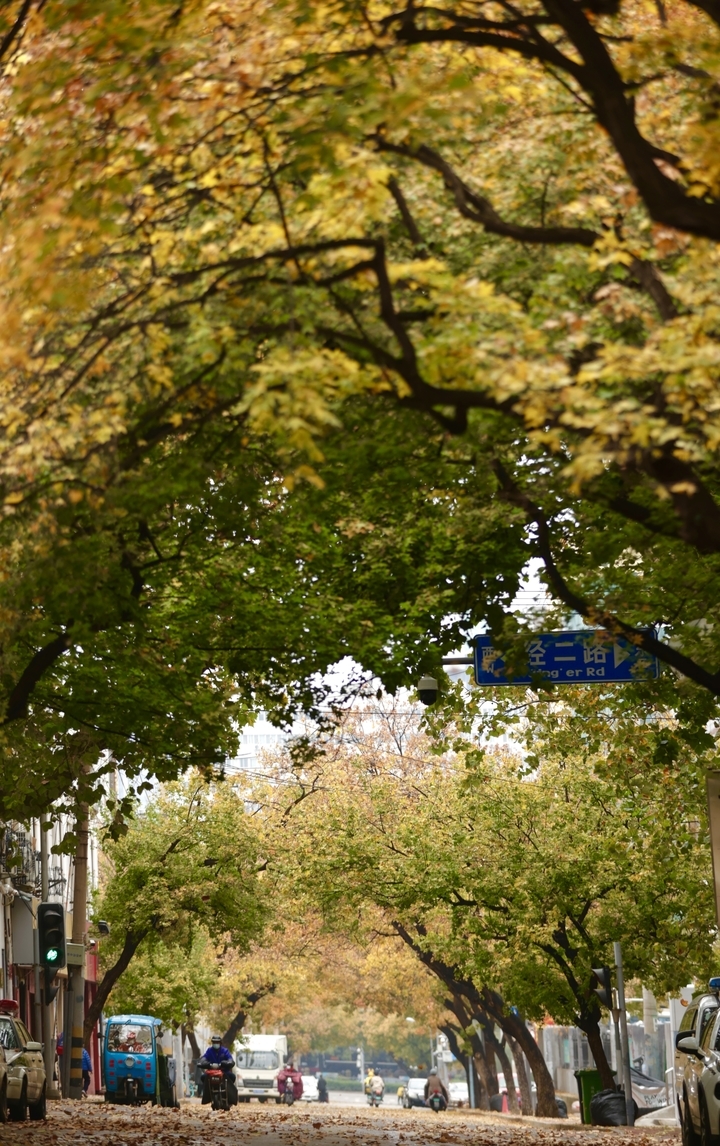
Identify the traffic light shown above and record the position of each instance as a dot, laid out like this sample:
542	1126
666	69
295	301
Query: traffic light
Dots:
51	944
604	988
51	935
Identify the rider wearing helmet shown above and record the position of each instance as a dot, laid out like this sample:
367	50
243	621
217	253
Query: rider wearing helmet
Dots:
219	1056
435	1085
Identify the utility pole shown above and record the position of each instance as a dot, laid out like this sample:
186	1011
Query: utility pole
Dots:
75	1008
48	1033
618	1046
625	1044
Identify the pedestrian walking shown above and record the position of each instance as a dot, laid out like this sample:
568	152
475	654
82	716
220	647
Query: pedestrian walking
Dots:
86	1071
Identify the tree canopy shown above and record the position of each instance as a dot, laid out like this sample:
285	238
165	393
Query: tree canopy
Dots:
514	872
284	246
186	874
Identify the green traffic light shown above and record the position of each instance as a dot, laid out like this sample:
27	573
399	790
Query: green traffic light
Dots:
52	955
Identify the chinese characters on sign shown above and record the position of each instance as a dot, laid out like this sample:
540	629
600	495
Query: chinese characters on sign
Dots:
583	657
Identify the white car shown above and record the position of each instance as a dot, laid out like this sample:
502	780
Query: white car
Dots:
694	1026
700	1104
310	1088
25	1067
459	1094
414	1092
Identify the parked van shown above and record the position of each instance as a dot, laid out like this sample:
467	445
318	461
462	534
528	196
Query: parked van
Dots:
259	1058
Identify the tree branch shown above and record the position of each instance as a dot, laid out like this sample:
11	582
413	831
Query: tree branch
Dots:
133	939
666	200
477	208
43	659
599	618
406	214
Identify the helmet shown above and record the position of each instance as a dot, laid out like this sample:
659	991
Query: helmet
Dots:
216	1039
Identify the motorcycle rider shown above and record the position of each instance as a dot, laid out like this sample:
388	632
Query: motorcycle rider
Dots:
435	1085
219	1056
377	1086
289	1076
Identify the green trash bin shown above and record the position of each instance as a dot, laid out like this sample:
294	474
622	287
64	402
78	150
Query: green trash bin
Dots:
588	1084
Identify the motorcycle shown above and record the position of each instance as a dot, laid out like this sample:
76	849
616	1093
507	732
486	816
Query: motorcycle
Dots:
289	1093
218	1084
436	1101
375	1098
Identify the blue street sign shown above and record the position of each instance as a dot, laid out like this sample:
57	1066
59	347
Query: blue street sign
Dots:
586	656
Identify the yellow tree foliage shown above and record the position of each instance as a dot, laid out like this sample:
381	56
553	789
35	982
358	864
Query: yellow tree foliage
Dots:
272	215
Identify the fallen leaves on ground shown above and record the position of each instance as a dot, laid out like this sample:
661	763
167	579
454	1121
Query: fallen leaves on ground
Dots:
98	1124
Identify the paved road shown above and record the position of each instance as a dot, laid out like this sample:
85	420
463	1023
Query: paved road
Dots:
354	1098
95	1124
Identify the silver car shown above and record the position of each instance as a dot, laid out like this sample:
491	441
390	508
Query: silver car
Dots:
696	1025
25	1070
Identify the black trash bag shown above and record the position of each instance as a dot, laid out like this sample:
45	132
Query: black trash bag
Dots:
562	1107
608	1108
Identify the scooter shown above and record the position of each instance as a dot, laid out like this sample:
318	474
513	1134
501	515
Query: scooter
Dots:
289	1093
436	1101
375	1098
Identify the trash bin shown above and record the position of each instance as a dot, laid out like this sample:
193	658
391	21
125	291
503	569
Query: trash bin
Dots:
588	1084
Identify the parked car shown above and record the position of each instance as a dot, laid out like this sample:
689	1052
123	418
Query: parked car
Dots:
24	1067
694	1026
310	1089
414	1093
700	1105
459	1094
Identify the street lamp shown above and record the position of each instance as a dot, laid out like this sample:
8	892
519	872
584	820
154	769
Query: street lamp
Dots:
428	689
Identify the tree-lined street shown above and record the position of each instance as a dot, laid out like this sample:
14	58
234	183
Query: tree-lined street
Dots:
309	1125
341	344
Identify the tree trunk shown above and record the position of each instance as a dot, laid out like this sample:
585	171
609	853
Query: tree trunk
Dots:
591	1028
499	1049
494	1049
456	1004
514	1027
489	1000
482	1098
234	1028
190	1036
451	1033
484	1068
522	1077
238	1022
133	939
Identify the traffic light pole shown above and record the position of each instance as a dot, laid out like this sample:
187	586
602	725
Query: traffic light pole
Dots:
625	1043
75	1020
48	1034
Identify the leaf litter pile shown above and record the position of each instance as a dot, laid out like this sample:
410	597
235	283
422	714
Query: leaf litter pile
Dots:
95	1124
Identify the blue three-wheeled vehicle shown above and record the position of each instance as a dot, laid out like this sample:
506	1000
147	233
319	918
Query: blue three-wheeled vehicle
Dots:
136	1069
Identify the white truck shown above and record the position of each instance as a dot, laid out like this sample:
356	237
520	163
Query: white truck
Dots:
259	1059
